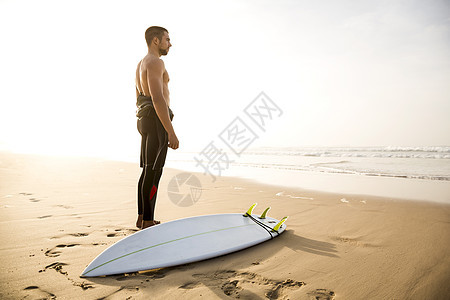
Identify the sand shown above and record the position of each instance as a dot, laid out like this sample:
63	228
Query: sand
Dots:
57	214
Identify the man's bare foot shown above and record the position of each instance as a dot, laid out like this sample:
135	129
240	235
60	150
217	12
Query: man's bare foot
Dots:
139	221
146	224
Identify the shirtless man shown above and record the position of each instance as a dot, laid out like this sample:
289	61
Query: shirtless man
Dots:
154	121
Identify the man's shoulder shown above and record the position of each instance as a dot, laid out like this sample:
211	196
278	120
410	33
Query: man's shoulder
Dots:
153	62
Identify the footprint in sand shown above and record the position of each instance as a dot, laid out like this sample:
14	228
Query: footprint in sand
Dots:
124	292
35	292
122	232
31	199
25	194
45	217
242	284
99	244
77	234
189	285
231	289
352	241
55	253
322	294
63	206
58	267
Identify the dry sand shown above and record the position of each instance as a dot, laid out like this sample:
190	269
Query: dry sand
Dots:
57	214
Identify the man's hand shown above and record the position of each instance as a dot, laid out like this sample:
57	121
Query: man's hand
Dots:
173	141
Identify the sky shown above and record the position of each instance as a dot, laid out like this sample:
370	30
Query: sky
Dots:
344	73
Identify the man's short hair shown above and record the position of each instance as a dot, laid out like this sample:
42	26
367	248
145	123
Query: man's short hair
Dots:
154	31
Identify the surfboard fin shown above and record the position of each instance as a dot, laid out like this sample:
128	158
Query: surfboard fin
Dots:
263	216
279	224
250	210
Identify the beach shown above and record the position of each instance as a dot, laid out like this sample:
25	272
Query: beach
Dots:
57	214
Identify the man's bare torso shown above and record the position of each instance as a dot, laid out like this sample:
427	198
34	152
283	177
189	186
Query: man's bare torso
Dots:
142	80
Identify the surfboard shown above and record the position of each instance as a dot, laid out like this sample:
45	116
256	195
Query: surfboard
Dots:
184	241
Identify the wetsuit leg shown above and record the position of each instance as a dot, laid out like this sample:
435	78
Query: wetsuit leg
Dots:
140	198
149	180
150	191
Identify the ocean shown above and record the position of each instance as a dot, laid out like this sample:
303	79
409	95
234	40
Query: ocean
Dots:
416	173
430	163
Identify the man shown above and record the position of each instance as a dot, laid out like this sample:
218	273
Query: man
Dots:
154	121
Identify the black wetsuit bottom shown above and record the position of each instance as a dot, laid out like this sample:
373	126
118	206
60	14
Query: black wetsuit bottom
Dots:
154	146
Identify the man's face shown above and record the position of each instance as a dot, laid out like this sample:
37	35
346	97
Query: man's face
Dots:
164	44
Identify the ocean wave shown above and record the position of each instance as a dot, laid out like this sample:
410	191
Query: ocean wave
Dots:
330	170
430	152
440	149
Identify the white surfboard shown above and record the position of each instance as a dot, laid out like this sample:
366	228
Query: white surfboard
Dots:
185	241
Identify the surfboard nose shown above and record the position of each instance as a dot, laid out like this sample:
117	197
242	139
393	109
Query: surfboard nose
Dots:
86	271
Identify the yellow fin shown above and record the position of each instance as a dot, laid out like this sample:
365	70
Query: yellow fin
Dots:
263	216
279	224
250	210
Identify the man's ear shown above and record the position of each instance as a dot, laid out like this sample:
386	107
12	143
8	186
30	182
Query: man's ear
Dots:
155	40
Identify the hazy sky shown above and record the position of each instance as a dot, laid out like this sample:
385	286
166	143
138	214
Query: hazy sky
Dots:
345	73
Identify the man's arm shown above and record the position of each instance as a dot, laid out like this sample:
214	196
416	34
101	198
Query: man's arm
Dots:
155	71
137	78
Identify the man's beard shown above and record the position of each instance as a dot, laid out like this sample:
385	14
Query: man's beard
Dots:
163	51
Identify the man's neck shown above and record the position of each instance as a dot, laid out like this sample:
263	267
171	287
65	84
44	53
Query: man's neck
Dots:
154	52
